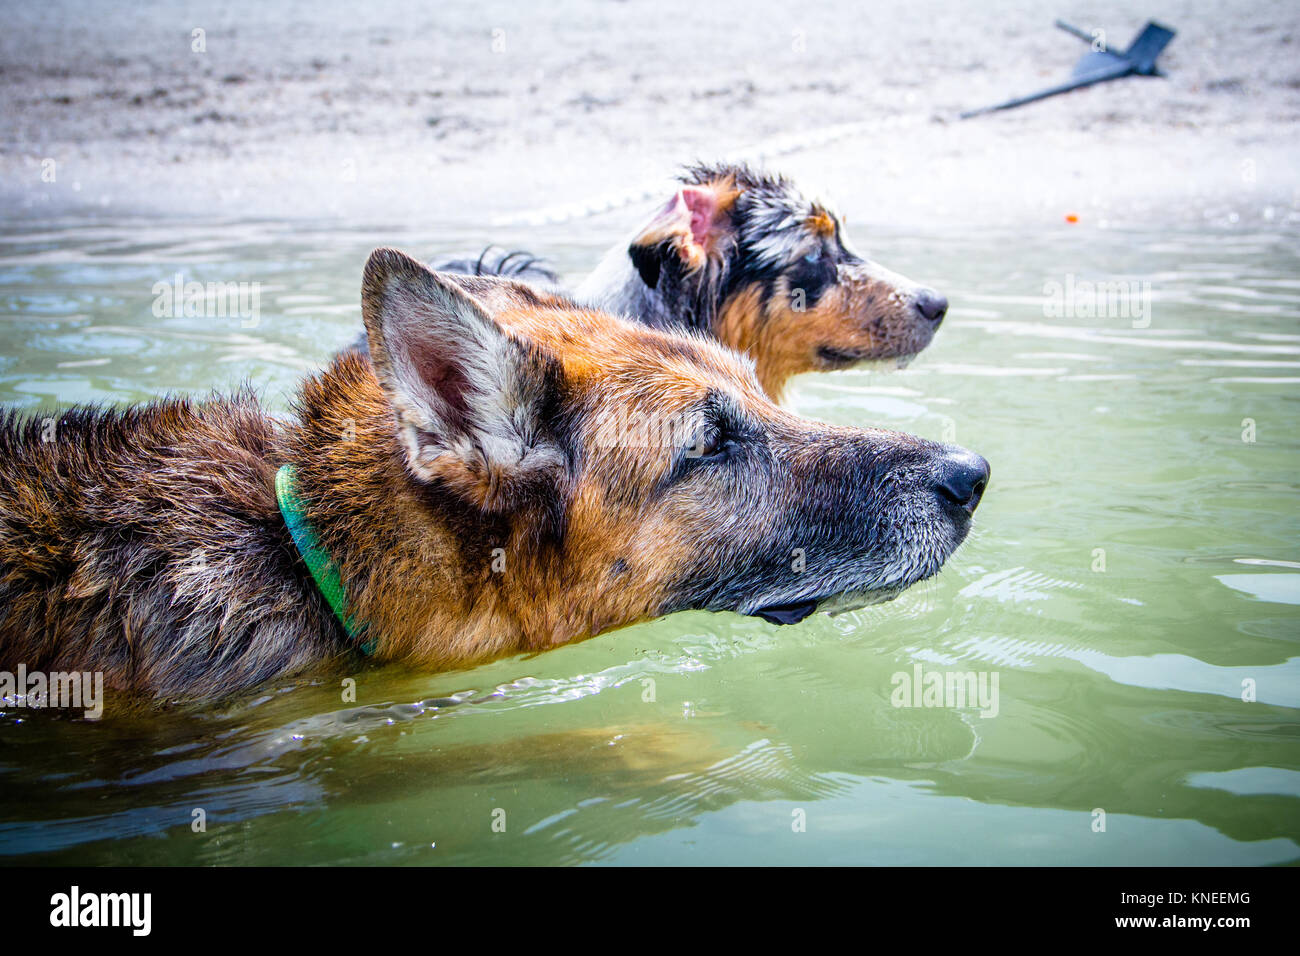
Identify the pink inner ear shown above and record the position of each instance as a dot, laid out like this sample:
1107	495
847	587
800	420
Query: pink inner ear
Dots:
440	374
702	205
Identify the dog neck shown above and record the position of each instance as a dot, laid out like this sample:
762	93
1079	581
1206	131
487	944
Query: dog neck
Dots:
426	573
616	286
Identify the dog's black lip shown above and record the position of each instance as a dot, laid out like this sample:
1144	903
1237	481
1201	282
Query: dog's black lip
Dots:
839	358
791	613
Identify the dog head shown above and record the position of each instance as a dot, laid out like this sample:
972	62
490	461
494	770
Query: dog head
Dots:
627	472
770	272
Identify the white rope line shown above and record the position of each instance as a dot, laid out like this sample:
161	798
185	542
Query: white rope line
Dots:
759	154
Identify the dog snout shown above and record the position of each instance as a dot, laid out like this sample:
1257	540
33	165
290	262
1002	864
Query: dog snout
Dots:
961	478
932	305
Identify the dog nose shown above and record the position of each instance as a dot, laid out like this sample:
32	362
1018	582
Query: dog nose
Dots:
963	475
932	305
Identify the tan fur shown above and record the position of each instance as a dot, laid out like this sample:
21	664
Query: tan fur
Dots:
786	340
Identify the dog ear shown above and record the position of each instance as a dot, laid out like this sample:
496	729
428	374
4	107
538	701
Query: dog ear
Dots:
701	204
468	397
687	227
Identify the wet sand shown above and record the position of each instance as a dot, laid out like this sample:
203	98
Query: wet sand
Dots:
503	113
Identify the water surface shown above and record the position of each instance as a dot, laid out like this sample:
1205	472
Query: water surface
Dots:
1133	573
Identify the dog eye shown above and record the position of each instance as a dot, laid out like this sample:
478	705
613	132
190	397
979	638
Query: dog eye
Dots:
814	256
707	444
712	444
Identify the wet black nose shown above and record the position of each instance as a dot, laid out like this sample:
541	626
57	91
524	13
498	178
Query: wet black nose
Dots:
932	305
963	475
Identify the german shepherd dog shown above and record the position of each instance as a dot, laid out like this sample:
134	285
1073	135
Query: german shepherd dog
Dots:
459	497
744	256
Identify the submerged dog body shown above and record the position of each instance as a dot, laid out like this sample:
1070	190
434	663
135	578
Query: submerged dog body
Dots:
147	544
478	489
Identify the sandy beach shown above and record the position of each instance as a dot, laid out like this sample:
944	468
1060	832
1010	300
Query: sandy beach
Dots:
497	113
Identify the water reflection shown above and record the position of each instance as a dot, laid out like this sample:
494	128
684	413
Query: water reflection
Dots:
1130	574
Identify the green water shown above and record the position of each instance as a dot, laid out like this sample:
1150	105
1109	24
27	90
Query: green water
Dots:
720	739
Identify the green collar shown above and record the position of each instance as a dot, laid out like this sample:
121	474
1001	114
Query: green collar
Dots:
317	559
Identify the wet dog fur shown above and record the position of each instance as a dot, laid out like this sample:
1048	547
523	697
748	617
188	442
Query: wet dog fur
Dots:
466	484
